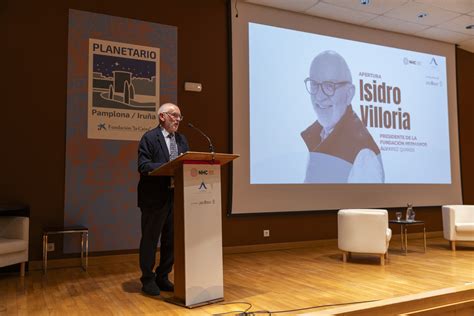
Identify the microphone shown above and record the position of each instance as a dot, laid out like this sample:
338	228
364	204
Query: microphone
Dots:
211	147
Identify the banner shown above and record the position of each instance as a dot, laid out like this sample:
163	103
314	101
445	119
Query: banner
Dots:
123	89
119	71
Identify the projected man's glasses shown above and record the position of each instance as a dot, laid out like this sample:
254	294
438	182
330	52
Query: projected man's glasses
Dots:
328	87
176	116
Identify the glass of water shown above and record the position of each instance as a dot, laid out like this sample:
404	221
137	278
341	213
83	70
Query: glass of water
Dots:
398	215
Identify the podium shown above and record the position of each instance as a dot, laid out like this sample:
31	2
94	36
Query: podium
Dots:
198	267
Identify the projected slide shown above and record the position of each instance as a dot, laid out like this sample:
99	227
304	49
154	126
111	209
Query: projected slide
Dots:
329	110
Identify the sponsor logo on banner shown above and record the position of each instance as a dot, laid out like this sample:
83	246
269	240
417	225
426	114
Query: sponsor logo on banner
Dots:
123	90
407	61
203	172
202	186
204	202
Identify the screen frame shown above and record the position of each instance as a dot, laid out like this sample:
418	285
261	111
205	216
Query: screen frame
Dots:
242	13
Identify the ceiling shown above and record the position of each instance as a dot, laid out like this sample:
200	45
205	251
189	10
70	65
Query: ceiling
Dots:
445	20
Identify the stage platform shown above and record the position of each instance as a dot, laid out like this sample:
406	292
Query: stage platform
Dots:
310	279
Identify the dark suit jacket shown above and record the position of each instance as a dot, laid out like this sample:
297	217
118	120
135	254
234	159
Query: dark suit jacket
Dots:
153	191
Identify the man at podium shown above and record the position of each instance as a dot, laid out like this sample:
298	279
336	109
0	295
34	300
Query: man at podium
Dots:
155	198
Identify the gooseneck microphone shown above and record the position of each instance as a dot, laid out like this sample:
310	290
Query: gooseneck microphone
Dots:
211	147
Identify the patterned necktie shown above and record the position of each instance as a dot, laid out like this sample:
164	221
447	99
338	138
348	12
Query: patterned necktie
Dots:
173	147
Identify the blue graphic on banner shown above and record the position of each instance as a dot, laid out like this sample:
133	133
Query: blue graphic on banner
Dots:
118	81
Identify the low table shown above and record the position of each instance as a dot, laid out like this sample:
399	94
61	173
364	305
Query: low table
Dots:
84	231
403	232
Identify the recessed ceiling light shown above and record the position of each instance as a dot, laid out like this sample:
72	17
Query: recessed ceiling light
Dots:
421	15
470	27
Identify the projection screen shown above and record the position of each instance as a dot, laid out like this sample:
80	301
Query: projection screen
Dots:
328	115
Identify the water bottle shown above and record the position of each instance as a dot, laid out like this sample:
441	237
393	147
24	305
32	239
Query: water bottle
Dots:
410	216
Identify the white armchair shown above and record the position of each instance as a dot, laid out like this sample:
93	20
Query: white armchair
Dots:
363	231
458	223
14	241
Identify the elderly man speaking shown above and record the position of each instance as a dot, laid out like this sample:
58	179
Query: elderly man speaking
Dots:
341	149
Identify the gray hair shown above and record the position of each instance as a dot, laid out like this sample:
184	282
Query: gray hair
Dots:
165	107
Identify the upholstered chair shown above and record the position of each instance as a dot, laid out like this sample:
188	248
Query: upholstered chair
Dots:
458	223
363	231
14	241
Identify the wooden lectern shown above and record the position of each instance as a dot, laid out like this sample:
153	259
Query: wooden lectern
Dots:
198	267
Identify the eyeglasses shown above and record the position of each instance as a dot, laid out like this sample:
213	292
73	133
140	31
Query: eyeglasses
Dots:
175	115
328	87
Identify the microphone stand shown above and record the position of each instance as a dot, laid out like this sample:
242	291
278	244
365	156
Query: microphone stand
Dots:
211	147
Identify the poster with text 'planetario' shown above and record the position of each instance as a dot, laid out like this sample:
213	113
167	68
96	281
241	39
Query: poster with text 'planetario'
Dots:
119	71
